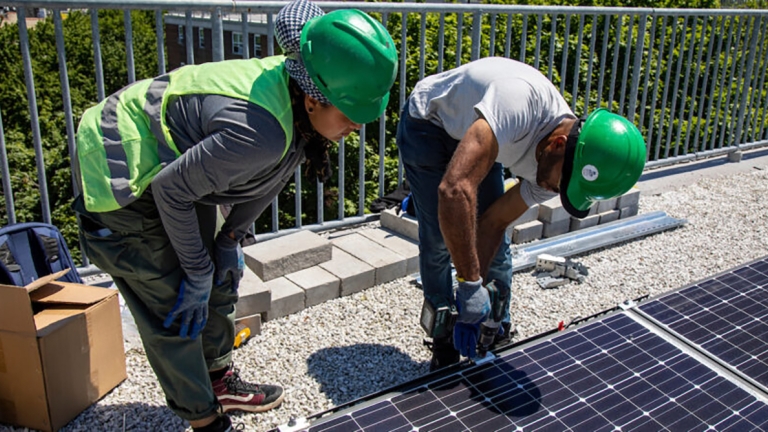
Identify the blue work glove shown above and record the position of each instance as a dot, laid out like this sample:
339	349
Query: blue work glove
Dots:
192	304
229	260
474	307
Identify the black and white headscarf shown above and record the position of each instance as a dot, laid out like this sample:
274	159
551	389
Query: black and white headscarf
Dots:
288	24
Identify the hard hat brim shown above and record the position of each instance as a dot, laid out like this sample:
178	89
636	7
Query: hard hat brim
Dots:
575	202
362	113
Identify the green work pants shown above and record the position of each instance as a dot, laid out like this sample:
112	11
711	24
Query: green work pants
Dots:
130	244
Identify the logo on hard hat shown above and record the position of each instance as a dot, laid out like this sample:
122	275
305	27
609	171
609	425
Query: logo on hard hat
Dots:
589	172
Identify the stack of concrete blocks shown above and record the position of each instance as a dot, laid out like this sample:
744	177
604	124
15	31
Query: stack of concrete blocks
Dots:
288	274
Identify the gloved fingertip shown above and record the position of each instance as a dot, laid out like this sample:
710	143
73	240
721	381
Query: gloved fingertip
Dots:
184	330
168	320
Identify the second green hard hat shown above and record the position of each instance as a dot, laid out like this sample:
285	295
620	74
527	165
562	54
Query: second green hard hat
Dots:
352	60
604	158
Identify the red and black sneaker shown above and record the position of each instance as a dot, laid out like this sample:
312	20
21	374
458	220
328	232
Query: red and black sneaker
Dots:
235	394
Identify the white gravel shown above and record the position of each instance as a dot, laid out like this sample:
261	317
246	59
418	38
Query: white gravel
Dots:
357	345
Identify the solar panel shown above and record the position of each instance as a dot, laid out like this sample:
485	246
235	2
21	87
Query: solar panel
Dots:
725	316
610	375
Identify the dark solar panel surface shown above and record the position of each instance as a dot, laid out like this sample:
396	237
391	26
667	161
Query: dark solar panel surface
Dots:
726	315
609	375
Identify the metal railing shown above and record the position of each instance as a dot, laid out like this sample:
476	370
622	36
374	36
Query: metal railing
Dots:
692	80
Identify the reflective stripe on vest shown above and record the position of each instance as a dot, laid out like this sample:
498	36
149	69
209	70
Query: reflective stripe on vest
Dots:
124	141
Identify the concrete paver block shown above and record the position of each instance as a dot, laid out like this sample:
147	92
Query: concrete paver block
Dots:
552	211
401	223
254	295
606	205
287	254
589	221
354	275
529	215
553	229
400	245
287	298
527	232
609	216
628	211
388	264
629	199
253	322
318	284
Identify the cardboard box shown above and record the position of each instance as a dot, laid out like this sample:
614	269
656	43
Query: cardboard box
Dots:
61	349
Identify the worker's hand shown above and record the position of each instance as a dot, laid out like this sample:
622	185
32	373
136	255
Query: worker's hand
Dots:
229	260
192	304
472	302
465	338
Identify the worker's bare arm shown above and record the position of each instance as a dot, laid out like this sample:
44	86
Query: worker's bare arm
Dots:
457	196
493	223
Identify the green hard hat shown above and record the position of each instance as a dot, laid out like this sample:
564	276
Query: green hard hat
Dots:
352	60
604	158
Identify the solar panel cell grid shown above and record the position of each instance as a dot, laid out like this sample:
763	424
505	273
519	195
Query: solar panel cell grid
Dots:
609	375
724	316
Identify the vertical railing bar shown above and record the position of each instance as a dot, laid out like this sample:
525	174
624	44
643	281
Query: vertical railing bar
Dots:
97	54
441	42
340	175
590	62
403	57
383	121
37	141
694	101
627	55
508	37
749	115
189	42
459	36
575	93
760	102
523	38
361	175
750	66
270	34
564	62
422	44
245	30
129	46
66	101
655	92
637	68
728	125
7	189
721	88
603	59
688	62
705	83
492	42
673	105
673	21
297	196
552	38
537	53
320	202
647	72
217	35
159	35
614	70
477	35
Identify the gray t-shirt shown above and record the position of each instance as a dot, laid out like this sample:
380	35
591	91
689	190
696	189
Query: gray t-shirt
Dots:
519	103
231	154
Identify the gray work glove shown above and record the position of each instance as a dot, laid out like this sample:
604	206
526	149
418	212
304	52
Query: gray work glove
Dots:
229	260
472	302
192	304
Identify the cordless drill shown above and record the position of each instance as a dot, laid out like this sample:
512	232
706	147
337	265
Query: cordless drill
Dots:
490	328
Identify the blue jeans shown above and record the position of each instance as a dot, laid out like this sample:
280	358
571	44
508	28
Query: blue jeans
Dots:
426	149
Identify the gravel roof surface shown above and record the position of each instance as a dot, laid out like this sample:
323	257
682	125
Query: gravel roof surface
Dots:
353	346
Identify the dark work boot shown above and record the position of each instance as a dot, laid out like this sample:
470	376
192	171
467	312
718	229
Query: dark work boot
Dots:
506	338
221	424
443	353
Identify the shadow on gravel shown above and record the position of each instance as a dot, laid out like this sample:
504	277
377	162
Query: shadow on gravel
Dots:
133	416
350	372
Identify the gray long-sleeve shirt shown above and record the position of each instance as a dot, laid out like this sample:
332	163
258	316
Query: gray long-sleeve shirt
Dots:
231	154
